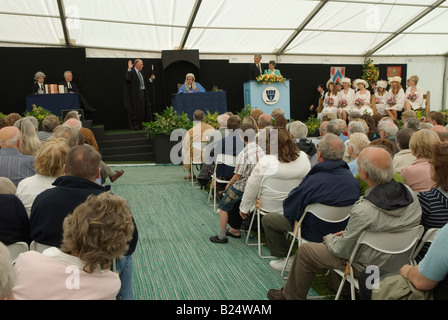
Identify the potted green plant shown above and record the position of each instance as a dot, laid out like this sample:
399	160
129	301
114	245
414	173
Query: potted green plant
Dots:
39	113
211	118
313	125
159	131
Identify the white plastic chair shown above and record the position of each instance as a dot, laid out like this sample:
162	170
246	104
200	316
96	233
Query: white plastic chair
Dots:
220	159
428	237
325	213
197	147
16	249
387	242
271	190
39	247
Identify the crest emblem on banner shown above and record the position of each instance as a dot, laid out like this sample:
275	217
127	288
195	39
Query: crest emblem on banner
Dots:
337	73
393	72
270	95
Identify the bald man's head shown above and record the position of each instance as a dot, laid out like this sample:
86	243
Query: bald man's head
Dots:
264	120
10	137
376	163
74	123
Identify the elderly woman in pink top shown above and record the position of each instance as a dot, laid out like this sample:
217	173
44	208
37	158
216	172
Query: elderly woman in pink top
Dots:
418	174
96	233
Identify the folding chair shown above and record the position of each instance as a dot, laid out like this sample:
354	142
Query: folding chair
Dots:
39	247
16	249
220	159
325	213
271	190
387	242
428	237
195	159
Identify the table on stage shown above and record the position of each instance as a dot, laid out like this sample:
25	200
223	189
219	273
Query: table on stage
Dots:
54	103
189	102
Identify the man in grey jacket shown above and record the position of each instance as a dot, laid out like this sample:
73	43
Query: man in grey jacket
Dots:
387	206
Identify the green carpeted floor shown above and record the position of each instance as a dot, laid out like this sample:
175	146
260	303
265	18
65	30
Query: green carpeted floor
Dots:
174	259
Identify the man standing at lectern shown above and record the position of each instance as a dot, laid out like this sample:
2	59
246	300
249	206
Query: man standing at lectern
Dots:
255	69
136	96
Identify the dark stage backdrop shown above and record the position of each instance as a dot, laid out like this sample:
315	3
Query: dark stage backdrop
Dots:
101	80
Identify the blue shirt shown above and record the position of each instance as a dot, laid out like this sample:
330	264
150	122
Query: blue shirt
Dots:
353	166
434	265
200	88
15	166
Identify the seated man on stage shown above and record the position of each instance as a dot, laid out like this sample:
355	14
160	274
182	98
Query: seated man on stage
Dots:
73	88
190	86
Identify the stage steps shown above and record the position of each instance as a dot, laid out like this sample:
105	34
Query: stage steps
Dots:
123	145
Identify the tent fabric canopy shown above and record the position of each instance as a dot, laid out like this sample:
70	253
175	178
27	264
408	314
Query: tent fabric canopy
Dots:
283	27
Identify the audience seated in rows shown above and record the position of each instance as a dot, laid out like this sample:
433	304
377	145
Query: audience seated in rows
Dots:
283	161
14	222
97	232
245	162
49	165
417	175
13	164
86	136
329	182
50	207
388	206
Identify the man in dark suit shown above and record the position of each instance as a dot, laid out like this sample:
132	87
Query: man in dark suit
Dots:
320	94
68	82
136	96
255	69
72	87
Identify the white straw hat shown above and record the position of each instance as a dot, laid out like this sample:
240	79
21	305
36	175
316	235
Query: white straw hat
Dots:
346	80
366	85
396	78
382	84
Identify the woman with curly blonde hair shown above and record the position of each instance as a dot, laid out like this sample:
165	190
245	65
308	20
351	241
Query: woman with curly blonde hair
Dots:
49	165
96	233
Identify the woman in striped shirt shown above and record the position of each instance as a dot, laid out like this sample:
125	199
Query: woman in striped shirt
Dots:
434	202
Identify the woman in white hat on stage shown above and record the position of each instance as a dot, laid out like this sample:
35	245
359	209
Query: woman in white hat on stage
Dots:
381	97
414	95
362	97
331	100
396	97
346	98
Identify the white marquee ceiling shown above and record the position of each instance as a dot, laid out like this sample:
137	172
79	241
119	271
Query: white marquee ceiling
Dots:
282	27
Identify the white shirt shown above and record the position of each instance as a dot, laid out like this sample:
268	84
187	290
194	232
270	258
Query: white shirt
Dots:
30	187
270	166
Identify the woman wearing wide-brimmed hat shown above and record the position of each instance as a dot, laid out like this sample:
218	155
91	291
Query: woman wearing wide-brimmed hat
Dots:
381	97
331	100
362	97
39	83
396	97
346	98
